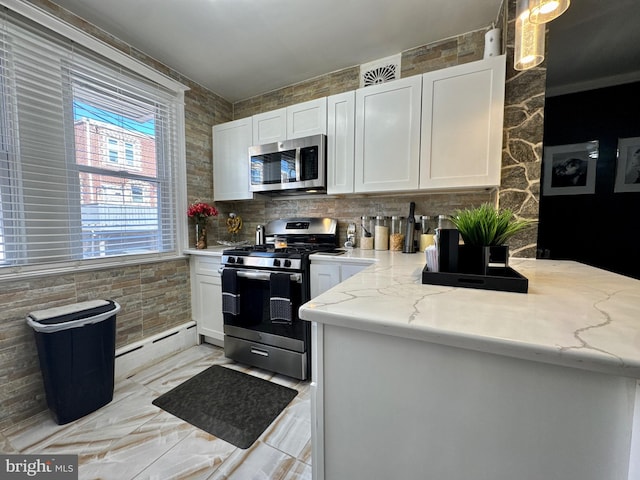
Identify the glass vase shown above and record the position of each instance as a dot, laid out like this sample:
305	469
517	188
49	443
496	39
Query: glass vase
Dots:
201	236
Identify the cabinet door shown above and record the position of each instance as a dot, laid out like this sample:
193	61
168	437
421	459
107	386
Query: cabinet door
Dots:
387	149
341	120
307	118
323	277
231	142
210	320
206	297
269	127
350	269
462	116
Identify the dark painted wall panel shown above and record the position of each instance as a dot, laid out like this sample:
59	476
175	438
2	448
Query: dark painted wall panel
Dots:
598	229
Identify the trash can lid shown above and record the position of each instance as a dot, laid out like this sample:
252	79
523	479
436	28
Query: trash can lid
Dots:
76	311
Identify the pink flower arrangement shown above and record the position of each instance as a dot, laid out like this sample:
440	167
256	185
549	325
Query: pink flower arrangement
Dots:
201	211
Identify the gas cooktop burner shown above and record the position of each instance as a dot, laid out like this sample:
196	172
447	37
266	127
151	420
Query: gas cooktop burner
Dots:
303	236
270	250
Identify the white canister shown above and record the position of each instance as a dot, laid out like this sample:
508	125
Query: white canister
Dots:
381	235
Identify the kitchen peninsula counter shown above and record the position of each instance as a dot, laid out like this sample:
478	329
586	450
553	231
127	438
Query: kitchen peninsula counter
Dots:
429	381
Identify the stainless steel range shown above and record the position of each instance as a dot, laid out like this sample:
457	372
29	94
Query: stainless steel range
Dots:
262	288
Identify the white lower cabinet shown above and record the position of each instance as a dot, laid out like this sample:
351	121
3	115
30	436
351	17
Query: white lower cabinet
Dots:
206	298
350	269
328	274
323	277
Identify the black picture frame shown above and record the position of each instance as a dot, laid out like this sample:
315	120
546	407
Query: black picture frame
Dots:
628	165
570	169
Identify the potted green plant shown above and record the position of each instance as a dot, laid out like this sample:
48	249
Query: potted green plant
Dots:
484	229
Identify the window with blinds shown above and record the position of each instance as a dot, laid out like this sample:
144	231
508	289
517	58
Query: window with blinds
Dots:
88	153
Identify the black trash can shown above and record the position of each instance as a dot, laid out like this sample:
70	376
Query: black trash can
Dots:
76	348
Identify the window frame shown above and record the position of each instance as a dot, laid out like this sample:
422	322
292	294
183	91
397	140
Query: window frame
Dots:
179	229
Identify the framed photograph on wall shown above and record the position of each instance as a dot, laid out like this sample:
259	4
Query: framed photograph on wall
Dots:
628	168
570	169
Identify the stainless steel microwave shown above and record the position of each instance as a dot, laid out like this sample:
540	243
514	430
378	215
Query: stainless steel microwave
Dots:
290	165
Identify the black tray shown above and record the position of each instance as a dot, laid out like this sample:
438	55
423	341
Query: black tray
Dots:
504	279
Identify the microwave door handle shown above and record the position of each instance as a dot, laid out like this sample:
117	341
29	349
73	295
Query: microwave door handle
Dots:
298	168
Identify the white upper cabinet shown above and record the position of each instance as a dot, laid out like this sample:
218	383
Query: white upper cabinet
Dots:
269	127
300	120
231	142
307	118
387	140
438	131
462	122
341	120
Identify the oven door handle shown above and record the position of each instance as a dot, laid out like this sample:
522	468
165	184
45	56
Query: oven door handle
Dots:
262	275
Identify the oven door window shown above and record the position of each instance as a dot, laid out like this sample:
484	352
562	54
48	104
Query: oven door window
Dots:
255	296
274	168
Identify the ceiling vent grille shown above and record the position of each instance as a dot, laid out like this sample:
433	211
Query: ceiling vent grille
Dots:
380	71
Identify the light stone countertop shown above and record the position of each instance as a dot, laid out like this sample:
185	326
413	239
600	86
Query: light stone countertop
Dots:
573	315
214	251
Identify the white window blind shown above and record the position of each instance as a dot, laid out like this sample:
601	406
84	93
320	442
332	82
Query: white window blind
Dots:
88	153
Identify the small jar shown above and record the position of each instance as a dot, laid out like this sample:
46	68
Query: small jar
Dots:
367	229
381	233
396	239
428	231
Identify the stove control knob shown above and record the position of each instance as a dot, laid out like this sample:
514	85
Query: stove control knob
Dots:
276	262
240	260
231	260
287	263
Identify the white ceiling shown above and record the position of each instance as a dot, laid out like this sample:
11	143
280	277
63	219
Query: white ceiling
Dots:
242	48
595	43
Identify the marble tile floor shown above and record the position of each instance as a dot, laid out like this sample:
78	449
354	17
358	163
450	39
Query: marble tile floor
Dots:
130	438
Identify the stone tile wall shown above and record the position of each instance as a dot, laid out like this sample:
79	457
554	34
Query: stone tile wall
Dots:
152	296
522	144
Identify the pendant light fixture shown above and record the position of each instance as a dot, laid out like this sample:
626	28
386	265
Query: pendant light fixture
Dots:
529	41
543	11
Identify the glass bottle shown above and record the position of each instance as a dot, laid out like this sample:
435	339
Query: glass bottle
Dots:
396	239
381	233
367	229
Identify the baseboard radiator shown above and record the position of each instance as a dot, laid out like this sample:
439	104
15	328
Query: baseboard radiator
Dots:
139	355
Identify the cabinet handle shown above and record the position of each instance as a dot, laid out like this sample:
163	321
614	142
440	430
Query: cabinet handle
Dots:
262	275
263	353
